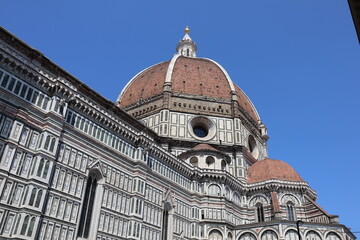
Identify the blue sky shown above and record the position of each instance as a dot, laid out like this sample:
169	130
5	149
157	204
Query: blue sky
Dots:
298	61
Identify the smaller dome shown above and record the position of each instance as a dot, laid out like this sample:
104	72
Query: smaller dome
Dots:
272	169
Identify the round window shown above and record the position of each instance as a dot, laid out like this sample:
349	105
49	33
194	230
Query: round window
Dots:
201	128
200	131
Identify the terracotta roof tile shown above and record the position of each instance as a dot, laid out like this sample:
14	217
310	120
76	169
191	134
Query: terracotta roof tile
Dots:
147	84
272	169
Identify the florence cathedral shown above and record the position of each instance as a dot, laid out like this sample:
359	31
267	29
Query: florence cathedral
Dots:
181	154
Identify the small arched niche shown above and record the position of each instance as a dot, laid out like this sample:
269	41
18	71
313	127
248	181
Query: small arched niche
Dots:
210	161
194	161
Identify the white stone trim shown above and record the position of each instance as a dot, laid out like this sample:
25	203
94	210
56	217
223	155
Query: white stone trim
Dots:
171	68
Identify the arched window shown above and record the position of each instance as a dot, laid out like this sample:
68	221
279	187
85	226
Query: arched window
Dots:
38	198
291	235
214	190
332	236
188	52
247	236
223	165
46	169
312	235
25	194
215	235
194	161
40	168
210	161
25	225
31	227
52	145
32	197
260	212
290	211
230	236
86	212
47	142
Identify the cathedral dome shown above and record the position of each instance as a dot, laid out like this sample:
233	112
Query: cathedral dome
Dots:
272	169
186	75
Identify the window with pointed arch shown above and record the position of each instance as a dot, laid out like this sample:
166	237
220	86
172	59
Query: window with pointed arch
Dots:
332	236
290	210
88	205
35	197
27	227
291	235
214	190
312	235
247	236
215	235
260	217
269	235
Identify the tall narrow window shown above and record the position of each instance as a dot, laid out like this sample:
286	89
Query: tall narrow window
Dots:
31	227
165	224
290	211
40	168
260	212
25	225
86	213
32	197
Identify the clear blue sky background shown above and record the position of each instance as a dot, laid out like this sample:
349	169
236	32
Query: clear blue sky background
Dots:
298	61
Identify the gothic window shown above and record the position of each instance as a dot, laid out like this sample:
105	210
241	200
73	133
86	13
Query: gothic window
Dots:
47	142
32	196
290	211
291	235
38	198
35	197
214	190
25	225
40	168
247	236
43	168
312	235
88	204
165	224
165	221
260	212
215	235
28	226
230	237
269	235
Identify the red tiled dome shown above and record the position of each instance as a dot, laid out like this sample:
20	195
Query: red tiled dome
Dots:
187	75
272	169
